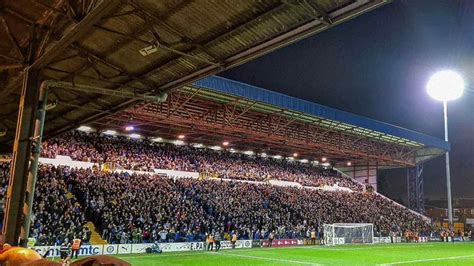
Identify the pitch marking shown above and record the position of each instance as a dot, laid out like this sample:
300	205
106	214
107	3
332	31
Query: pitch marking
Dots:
426	260
269	259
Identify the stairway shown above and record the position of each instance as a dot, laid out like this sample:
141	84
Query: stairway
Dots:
96	239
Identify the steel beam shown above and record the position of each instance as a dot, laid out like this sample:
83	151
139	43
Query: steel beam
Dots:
78	31
32	175
17	183
104	91
416	199
254	125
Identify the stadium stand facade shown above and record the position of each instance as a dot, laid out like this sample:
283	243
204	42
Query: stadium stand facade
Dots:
128	207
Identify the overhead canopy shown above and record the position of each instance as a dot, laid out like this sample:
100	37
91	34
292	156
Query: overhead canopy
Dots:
337	119
142	46
215	109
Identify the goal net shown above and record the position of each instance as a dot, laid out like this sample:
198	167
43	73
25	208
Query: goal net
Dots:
341	233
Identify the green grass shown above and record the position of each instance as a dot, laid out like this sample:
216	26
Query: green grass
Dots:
381	254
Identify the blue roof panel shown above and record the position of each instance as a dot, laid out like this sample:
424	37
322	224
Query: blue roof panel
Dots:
287	102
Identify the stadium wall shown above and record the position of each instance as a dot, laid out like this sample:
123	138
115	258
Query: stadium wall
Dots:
115	249
123	249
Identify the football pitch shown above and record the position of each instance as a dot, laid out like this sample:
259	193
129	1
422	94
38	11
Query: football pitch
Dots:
381	254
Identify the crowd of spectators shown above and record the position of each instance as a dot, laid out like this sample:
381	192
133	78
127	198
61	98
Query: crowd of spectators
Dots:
4	171
145	156
57	214
141	208
133	208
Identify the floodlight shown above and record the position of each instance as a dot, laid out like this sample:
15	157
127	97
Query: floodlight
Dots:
445	85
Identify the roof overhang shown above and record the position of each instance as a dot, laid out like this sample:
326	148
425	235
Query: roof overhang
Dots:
145	47
216	109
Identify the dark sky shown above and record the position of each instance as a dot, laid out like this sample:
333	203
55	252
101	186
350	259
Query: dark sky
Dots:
377	65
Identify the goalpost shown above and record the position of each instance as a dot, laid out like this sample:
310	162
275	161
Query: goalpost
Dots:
346	233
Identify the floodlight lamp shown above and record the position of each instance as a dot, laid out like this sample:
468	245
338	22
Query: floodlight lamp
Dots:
129	128
445	85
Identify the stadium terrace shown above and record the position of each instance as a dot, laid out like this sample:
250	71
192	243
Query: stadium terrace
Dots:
119	145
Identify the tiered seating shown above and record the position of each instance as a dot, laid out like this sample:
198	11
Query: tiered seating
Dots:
4	171
57	214
144	155
135	208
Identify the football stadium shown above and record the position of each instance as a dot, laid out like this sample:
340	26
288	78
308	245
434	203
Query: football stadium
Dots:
125	141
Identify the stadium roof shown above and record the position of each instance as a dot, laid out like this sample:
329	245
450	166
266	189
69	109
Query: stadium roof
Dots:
141	46
215	109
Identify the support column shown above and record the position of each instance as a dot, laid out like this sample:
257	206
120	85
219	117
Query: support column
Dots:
416	199
32	174
19	168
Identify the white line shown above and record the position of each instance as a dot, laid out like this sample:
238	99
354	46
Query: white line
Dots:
426	260
387	247
145	255
269	259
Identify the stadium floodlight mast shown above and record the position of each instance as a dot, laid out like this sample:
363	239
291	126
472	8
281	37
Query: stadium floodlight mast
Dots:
446	85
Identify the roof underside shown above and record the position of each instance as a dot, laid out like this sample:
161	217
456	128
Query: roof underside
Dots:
99	43
215	109
154	47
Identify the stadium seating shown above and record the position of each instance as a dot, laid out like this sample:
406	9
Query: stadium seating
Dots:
57	214
141	208
144	155
4	170
129	207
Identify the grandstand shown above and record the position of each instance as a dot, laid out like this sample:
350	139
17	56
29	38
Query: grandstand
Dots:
253	118
126	142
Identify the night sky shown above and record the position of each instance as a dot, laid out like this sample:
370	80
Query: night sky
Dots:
377	65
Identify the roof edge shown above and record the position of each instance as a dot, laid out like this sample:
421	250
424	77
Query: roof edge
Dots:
281	100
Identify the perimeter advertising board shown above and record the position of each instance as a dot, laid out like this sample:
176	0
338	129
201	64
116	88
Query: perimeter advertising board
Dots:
113	249
281	243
